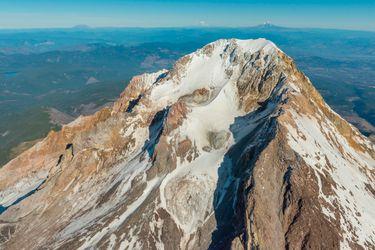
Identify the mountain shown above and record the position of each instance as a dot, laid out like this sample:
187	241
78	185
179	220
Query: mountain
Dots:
49	68
231	148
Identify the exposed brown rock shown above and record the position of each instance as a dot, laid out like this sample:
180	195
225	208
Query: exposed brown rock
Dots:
199	96
176	116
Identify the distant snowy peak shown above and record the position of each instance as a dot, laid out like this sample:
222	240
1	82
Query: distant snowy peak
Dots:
233	148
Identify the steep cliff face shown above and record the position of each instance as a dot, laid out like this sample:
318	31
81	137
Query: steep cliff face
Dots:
232	148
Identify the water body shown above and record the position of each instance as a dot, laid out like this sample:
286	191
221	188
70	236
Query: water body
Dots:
10	74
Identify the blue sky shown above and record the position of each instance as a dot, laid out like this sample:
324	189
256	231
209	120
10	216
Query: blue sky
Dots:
344	14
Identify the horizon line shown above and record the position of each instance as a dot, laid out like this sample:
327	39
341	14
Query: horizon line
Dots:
88	27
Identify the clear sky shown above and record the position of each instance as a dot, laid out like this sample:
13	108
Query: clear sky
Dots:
342	14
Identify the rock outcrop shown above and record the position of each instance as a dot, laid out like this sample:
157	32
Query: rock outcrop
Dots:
232	148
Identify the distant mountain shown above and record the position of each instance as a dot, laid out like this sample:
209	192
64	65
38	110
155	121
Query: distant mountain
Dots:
232	148
81	27
268	25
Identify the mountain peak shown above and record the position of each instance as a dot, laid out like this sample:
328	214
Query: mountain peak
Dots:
268	25
231	148
211	68
248	45
81	27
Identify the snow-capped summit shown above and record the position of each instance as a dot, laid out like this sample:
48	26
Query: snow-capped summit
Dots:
231	148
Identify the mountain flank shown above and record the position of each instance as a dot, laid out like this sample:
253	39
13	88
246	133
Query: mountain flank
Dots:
233	148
